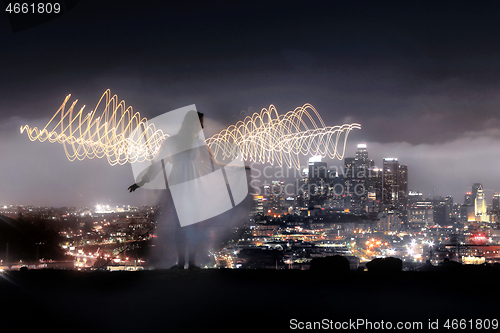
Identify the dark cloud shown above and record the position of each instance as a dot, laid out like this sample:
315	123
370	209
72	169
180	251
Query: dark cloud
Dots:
418	75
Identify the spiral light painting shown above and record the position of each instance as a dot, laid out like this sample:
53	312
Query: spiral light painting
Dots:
120	135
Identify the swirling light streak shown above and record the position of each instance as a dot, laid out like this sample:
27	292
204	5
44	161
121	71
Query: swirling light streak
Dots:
268	137
121	136
118	133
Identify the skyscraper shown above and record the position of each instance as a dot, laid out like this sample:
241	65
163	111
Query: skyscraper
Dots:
362	155
442	208
496	202
475	187
480	204
356	174
467	211
420	211
318	186
468	199
361	166
349	167
317	168
403	187
390	184
395	188
374	189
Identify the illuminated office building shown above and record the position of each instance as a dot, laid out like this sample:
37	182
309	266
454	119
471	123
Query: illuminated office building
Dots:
442	210
317	168
468	199
403	187
480	204
395	188
357	172
496	202
374	189
390	184
318	177
475	188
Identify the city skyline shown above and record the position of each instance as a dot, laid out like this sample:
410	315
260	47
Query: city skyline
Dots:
424	93
341	167
275	170
362	188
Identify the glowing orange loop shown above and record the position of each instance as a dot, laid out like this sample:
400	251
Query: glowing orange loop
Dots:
270	138
121	136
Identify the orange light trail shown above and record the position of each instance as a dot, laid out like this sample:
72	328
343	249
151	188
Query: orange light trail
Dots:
114	134
119	135
268	137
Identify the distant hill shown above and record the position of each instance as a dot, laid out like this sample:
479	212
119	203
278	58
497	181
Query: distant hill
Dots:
28	239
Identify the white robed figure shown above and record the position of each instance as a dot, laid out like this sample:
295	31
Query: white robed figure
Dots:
198	186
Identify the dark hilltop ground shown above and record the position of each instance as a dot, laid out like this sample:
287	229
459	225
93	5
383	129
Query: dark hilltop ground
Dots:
238	300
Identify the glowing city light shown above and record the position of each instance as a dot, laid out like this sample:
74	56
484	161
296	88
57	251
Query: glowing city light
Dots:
479	238
122	136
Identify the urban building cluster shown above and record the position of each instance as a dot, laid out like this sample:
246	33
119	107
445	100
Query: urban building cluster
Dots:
97	237
359	211
364	212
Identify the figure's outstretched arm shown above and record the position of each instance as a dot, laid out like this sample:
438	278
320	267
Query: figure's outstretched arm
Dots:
150	174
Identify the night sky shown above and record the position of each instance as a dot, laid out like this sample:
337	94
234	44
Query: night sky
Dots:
422	78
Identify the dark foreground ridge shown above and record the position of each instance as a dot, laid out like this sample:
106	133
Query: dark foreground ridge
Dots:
234	300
